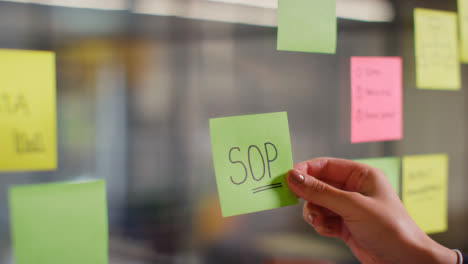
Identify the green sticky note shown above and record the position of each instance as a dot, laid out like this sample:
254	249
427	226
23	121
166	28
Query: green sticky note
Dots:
390	166
251	156
424	191
59	223
436	49
307	26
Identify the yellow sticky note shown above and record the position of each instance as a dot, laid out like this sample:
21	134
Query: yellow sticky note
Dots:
436	50
463	23
27	110
424	191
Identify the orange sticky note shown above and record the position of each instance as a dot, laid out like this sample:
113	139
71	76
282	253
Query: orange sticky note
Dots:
376	100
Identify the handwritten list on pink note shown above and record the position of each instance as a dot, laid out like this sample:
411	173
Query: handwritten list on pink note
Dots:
376	99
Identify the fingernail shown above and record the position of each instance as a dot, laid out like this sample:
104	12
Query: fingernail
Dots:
310	218
297	177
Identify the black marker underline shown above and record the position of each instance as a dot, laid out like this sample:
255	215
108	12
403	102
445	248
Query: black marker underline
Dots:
274	184
279	186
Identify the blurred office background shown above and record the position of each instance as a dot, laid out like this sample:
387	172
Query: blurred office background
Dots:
138	80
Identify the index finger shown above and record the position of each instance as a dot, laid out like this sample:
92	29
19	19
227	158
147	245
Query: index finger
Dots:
348	174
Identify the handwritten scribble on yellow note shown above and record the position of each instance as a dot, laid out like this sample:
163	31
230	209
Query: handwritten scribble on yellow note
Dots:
436	50
424	191
27	110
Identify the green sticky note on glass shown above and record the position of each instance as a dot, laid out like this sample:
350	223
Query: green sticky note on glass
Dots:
59	223
390	166
436	49
251	156
424	191
307	26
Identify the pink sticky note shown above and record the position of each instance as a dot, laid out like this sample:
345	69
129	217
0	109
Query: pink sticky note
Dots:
376	101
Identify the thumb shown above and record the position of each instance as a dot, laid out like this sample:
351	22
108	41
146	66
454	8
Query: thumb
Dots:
320	193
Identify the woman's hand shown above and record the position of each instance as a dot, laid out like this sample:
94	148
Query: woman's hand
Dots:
356	203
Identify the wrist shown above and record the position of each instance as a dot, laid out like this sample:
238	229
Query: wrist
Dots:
440	254
425	250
